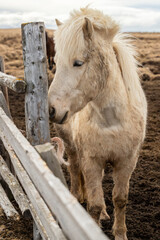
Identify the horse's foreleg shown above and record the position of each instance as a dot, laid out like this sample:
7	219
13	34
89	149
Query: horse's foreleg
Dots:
121	176
77	182
92	172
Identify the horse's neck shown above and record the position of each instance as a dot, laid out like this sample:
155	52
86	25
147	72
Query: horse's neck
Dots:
112	103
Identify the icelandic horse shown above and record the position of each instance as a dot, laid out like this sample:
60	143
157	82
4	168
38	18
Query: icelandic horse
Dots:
99	107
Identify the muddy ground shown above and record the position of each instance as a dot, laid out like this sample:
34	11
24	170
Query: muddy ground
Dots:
143	210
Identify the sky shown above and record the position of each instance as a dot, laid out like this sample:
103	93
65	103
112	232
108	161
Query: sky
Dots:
133	16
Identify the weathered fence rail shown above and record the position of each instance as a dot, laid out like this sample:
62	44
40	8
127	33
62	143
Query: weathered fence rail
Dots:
4	89
7	205
14	186
75	222
15	84
40	208
42	179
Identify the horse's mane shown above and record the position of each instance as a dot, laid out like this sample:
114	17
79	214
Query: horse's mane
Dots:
126	55
72	43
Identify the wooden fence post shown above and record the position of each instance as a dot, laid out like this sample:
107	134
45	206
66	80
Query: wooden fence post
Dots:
4	99
35	69
47	153
36	98
4	89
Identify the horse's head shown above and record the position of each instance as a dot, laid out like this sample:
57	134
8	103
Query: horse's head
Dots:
80	68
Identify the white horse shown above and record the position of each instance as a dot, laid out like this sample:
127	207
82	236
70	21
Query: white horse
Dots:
100	109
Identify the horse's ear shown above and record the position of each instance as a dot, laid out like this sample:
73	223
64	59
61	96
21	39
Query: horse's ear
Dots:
87	29
58	22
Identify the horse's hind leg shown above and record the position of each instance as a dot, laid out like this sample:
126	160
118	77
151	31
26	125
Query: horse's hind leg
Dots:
77	181
93	174
121	177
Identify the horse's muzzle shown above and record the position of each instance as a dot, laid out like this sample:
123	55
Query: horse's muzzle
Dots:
54	118
64	118
52	113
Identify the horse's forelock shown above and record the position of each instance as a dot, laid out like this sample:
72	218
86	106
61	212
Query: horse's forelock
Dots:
69	40
69	37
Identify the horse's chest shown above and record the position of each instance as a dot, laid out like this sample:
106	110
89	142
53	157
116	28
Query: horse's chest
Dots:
87	135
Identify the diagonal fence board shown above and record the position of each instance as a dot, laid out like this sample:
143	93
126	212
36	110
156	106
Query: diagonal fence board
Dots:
14	186
75	222
39	225
39	210
3	104
42	216
7	206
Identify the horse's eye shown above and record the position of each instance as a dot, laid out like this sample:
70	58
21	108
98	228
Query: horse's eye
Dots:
78	63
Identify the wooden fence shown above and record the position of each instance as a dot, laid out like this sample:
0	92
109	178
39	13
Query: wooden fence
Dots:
37	182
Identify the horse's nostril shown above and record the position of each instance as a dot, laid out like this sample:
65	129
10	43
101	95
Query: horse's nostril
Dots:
52	112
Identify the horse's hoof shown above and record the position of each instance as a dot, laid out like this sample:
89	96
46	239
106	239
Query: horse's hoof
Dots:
120	237
104	215
81	200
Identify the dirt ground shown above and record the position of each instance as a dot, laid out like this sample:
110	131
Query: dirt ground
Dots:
143	210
